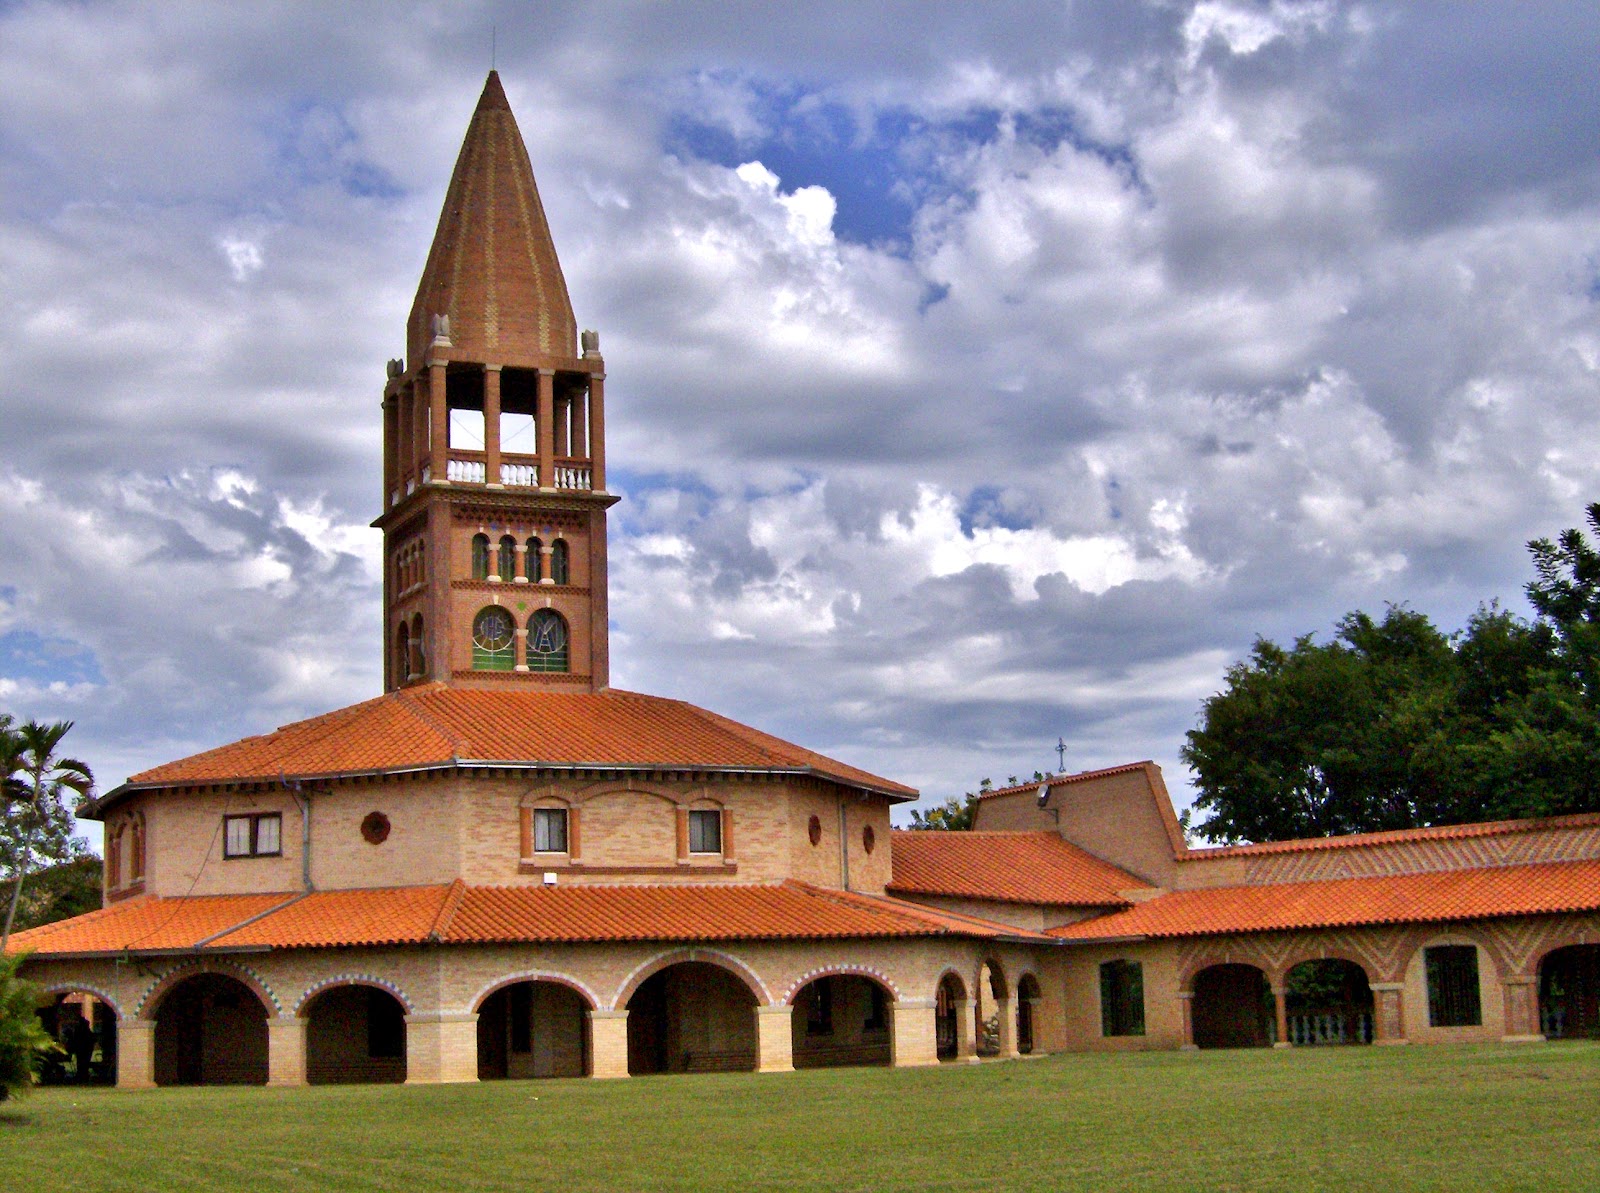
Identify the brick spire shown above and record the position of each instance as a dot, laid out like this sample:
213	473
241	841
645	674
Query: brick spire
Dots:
492	268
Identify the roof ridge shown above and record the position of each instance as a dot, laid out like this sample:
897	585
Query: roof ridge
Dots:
1060	780
447	911
411	700
1471	828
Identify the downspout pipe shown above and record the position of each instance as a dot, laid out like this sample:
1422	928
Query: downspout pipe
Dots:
302	795
844	846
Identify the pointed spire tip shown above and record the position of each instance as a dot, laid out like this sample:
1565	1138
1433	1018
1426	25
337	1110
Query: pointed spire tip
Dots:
494	95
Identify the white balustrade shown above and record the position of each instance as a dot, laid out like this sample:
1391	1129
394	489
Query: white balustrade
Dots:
520	476
466	472
572	476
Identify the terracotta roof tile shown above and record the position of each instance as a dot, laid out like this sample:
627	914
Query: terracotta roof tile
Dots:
147	922
435	725
1434	897
1442	832
1008	867
1082	776
461	914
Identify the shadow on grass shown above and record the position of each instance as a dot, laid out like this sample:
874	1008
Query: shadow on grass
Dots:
16	1117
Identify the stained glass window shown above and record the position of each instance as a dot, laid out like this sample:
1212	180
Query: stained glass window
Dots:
547	641
494	640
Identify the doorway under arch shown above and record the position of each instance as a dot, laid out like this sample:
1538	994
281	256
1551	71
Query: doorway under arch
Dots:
1233	1008
1028	996
85	1026
211	1030
992	990
947	1010
533	1028
691	1017
841	1020
1328	1001
1569	993
355	1035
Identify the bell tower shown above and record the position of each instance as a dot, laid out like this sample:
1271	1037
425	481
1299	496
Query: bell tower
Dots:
494	494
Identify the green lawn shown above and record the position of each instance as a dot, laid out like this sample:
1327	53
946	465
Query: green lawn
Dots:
1373	1118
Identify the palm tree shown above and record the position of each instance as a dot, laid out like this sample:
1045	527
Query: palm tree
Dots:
34	785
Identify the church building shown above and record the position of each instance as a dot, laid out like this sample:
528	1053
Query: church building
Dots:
504	867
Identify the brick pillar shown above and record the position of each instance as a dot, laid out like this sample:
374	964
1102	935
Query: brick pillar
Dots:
580	419
419	431
491	425
391	447
1007	1009
545	554
913	1032
608	1043
597	432
520	662
438	424
563	406
1388	1019
967	1029
405	427
522	563
441	1047
1280	1011
1522	1010
1186	1008
286	1050
774	1039
546	429
136	1054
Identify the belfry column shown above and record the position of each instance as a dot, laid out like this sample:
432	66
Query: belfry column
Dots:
419	430
438	424
491	426
405	427
597	432
547	428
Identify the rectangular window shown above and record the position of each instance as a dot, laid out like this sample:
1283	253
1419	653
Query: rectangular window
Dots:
252	836
549	830
1122	998
819	1008
705	831
1453	986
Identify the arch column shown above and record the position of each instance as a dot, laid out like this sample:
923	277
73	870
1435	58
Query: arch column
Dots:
1186	1009
1522	1009
775	1039
967	1030
913	1032
520	650
441	1047
1007	1009
522	563
136	1054
286	1050
491	426
545	554
608	1043
1280	1017
1388	1019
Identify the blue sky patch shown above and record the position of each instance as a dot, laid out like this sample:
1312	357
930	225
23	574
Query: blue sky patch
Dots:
35	658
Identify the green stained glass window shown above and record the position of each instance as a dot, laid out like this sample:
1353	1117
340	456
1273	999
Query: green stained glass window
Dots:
547	642
494	640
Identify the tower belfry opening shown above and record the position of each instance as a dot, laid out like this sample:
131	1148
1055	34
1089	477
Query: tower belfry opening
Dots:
494	496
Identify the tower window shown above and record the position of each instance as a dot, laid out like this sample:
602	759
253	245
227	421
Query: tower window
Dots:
402	653
494	638
560	567
507	557
547	642
535	560
480	557
419	651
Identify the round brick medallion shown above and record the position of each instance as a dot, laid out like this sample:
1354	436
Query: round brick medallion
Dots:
375	828
814	830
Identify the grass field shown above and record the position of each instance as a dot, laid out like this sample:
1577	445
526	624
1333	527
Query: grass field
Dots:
1370	1118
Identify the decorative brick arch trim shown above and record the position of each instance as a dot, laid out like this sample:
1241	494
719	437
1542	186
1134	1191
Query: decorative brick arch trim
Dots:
648	969
993	963
536	975
303	1007
1199	965
950	971
85	988
1024	976
1438	934
1564	936
628	787
1330	953
163	985
841	971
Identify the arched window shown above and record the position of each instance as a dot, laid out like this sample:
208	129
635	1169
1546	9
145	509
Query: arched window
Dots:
534	560
402	653
560	569
480	557
419	650
136	859
494	640
547	641
508	557
114	859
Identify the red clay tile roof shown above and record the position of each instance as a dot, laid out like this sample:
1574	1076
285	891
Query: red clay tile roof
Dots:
1434	897
436	726
1443	832
1008	867
1061	780
461	914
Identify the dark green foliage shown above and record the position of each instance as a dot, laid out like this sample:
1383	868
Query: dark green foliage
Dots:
38	792
954	815
22	1040
60	892
1394	725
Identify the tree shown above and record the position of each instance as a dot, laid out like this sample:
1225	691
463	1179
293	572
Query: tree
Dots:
23	1039
1392	724
37	785
954	815
60	892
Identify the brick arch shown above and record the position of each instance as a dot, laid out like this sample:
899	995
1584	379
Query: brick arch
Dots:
834	971
950	971
537	975
85	988
594	791
1565	937
1199	964
653	966
993	963
163	985
1324	953
303	1006
1434	934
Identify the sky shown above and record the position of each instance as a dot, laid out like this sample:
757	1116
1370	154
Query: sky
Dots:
978	376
